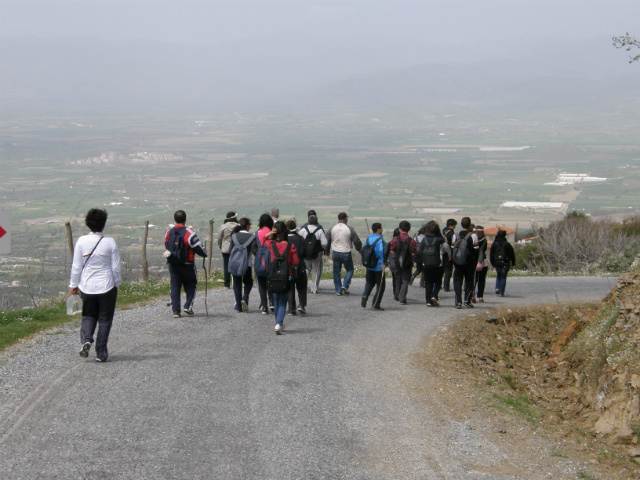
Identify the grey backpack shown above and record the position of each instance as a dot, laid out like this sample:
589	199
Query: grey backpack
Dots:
461	250
239	257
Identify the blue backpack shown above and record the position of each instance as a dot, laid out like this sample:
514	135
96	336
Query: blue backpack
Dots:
175	244
262	264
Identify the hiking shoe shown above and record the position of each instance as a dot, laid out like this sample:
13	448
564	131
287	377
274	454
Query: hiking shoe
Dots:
378	309
100	360
346	291
245	306
497	292
314	292
302	310
480	300
468	304
458	306
271	307
363	302
434	302
339	294
411	281
396	299
429	304
84	351
473	298
264	310
404	302
502	294
176	315
292	314
188	311
278	329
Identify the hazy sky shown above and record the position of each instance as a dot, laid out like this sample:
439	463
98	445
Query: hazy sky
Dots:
204	22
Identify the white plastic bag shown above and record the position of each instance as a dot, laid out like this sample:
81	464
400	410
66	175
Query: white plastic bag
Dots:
74	305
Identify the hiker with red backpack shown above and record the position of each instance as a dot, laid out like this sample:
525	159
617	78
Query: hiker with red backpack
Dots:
405	249
283	257
373	258
263	262
502	257
465	259
182	246
432	251
242	246
299	272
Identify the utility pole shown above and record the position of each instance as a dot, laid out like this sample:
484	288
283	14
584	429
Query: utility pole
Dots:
210	245
69	238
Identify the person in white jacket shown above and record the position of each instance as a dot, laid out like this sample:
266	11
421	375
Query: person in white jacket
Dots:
224	243
96	274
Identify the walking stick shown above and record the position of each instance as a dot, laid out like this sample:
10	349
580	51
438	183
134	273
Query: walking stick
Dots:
206	281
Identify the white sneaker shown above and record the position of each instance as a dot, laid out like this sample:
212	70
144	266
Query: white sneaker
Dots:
278	329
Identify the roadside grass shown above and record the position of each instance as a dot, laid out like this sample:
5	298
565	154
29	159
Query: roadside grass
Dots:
16	325
518	405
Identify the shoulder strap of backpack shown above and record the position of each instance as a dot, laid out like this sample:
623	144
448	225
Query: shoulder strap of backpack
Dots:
234	239
275	251
377	240
258	240
286	251
246	244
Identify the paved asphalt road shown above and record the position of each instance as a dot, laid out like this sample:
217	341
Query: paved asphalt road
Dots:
224	397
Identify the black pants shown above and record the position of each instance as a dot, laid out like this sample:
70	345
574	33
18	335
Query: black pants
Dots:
448	271
98	310
266	297
183	276
464	274
403	277
378	280
432	282
481	281
238	281
299	284
225	269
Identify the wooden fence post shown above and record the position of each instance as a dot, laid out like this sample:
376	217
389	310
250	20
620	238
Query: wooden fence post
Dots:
145	264
210	244
69	239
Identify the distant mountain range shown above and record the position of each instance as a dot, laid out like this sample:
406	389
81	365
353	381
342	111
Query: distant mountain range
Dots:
304	72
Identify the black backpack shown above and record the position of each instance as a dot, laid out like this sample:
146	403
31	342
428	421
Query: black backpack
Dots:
461	250
403	254
500	259
369	256
278	280
431	257
312	246
177	247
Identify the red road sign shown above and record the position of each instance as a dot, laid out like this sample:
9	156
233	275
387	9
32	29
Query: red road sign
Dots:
5	233
2	231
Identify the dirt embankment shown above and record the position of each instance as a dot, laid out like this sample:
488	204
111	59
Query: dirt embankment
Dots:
573	370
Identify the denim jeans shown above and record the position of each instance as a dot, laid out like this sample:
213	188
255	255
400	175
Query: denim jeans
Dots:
280	304
501	279
340	259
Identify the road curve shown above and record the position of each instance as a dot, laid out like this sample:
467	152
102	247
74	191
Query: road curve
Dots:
224	397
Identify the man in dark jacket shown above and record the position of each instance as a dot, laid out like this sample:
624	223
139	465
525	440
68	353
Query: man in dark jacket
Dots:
501	256
448	264
300	278
465	269
405	249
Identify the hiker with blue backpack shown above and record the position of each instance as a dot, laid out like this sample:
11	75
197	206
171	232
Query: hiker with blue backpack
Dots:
433	249
263	262
373	257
182	246
465	259
283	258
243	245
315	244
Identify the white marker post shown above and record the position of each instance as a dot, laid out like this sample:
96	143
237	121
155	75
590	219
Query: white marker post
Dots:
5	232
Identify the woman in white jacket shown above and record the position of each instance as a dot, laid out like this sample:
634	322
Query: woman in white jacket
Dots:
96	274
224	243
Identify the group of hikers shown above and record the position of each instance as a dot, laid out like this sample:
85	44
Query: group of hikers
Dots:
282	255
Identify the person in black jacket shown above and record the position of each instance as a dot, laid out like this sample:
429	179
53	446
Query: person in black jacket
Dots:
483	264
502	257
390	259
448	264
301	277
242	236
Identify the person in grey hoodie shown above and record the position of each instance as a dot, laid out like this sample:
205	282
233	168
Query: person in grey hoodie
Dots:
224	243
340	238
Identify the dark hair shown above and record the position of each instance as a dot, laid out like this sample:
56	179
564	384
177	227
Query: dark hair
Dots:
465	223
396	232
231	216
243	224
313	220
502	233
343	216
96	219
281	231
180	216
265	221
405	226
433	230
311	212
452	222
291	224
375	227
